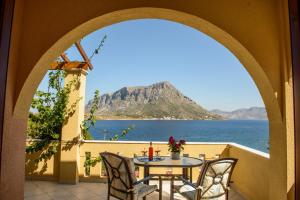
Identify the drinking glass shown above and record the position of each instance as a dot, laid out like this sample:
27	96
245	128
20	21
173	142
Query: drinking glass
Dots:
157	151
144	152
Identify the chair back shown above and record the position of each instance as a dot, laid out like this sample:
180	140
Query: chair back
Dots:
202	156
120	172
214	179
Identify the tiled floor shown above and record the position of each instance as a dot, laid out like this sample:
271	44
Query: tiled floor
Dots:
45	190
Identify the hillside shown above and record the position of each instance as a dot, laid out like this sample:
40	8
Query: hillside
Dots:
253	113
157	101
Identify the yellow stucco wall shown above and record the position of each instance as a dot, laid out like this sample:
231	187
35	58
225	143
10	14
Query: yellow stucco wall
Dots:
50	167
255	31
71	130
251	175
43	170
130	148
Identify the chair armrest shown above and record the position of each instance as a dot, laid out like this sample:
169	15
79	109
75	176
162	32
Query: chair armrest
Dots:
187	182
144	179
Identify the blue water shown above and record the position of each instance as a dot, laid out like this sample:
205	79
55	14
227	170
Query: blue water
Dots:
251	133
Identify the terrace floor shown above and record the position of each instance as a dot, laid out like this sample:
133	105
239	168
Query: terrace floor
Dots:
46	190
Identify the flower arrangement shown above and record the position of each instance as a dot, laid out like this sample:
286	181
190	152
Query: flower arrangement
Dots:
175	146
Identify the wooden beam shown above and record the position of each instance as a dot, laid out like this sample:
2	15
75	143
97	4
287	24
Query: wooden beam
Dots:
65	57
83	54
294	13
69	65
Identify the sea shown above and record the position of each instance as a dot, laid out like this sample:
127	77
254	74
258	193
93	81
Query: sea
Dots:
250	133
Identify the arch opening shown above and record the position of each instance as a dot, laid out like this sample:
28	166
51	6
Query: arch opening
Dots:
241	53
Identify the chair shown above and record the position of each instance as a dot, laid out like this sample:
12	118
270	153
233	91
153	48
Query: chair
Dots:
122	183
213	181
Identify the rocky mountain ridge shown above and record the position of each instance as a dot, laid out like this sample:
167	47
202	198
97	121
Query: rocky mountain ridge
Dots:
157	101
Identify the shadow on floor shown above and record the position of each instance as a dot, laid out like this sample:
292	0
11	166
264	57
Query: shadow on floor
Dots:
46	190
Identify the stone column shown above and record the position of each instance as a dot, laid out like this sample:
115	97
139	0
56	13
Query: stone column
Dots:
69	155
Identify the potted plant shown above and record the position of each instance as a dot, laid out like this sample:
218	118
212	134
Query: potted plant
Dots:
175	147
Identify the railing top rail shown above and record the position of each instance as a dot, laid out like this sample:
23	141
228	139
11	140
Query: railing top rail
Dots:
154	142
230	144
263	154
254	151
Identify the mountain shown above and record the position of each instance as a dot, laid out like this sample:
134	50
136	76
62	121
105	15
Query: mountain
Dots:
253	113
157	101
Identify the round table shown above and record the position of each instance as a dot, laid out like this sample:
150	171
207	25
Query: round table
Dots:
184	162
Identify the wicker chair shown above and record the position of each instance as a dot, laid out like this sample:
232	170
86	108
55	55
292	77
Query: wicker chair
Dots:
122	183
213	181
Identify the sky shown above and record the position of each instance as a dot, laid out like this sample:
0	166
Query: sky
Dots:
143	52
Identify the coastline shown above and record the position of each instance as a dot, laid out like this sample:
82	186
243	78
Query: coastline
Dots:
146	119
170	119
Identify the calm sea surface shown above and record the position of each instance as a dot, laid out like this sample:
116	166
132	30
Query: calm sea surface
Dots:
251	133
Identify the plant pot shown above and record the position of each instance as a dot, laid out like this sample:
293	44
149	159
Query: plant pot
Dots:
175	155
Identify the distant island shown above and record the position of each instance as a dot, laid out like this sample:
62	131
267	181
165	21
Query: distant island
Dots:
253	113
161	101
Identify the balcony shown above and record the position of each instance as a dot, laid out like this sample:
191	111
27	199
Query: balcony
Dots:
250	176
48	190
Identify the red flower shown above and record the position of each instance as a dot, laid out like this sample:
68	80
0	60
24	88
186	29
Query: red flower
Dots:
175	146
171	140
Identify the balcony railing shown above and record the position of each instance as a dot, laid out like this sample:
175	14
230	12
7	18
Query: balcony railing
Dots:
250	177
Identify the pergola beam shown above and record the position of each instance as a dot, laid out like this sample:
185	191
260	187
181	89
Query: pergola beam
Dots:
69	65
83	54
65	57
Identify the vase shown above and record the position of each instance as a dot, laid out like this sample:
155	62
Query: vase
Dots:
175	155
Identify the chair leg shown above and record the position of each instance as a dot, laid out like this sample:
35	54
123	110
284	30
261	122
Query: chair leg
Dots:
160	188
172	189
108	193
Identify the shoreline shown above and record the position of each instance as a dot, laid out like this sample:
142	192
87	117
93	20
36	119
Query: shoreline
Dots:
161	119
150	119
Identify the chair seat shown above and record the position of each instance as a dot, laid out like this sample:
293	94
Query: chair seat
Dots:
142	190
186	191
189	192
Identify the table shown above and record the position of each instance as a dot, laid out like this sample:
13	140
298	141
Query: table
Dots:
184	163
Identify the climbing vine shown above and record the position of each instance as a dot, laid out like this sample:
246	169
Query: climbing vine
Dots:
91	119
48	112
123	133
51	109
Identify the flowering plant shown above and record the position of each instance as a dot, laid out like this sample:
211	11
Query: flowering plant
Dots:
175	146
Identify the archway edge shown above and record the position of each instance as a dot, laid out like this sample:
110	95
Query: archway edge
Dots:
242	54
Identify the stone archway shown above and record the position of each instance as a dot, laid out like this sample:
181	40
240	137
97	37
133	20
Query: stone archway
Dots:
268	93
244	56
